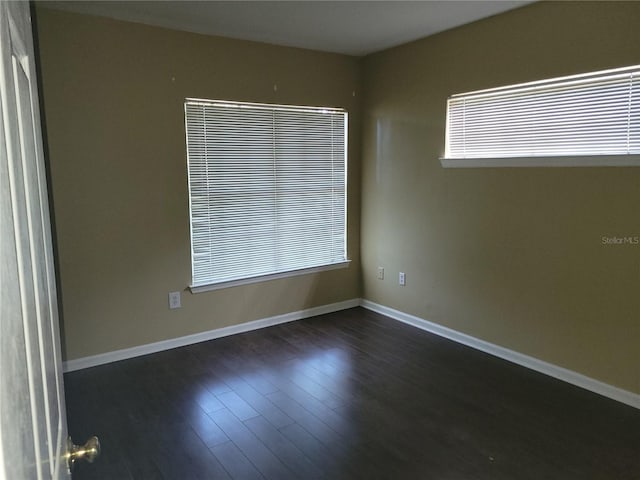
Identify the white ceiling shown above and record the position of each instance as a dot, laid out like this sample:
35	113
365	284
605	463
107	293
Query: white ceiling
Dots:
349	27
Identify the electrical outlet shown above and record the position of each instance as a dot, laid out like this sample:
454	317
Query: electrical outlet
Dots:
380	273
402	279
174	300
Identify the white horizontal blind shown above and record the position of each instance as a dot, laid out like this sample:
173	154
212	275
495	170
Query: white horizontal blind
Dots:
593	114
267	188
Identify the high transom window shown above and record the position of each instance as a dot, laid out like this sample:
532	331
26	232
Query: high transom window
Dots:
590	119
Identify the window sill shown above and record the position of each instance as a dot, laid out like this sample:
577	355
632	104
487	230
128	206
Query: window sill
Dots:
264	278
555	161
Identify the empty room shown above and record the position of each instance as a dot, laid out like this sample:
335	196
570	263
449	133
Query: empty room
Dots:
321	239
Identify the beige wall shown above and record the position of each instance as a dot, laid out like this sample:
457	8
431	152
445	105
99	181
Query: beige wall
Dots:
511	256
113	95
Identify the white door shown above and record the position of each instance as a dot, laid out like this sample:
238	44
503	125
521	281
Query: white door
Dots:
33	429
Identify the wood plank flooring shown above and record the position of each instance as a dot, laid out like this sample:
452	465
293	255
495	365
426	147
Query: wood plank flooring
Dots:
349	395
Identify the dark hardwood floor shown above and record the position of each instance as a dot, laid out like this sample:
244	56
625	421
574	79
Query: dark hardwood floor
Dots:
350	395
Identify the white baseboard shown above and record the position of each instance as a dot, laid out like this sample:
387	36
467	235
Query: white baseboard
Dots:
569	376
95	360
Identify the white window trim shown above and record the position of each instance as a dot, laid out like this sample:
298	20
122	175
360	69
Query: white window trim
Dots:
503	159
550	161
263	278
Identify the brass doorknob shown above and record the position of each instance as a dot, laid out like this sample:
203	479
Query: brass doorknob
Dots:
89	451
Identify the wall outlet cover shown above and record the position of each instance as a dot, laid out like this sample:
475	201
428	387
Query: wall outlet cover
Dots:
174	300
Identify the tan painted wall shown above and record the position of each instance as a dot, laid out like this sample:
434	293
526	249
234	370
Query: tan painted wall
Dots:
511	256
114	95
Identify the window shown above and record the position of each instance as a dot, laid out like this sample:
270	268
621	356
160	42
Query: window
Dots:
581	120
267	190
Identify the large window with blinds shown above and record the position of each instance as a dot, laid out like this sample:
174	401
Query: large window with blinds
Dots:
580	120
267	190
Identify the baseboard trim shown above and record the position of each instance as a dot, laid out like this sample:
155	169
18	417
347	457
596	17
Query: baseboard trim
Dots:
108	357
569	376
